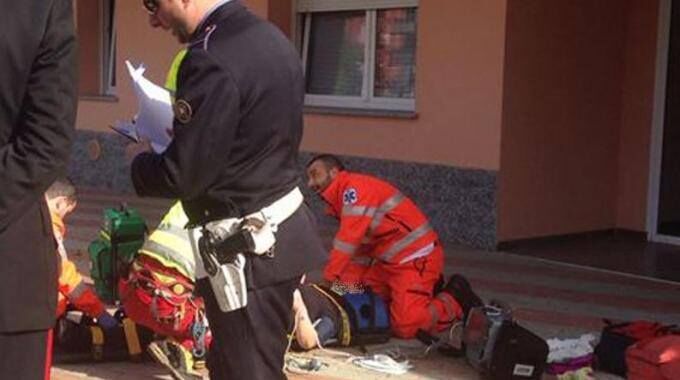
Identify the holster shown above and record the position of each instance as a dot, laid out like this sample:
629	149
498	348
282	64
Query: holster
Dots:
225	246
225	262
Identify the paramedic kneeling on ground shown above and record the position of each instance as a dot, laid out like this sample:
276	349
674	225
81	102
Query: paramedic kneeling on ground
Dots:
386	243
62	200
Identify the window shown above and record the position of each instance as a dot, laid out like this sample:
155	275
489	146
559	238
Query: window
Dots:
97	41
359	53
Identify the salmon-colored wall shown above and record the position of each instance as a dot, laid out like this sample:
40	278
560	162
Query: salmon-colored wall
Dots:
280	13
459	84
561	118
138	42
638	102
260	7
87	19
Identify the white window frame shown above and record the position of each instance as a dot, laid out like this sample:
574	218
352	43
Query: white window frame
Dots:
108	47
106	38
366	100
658	121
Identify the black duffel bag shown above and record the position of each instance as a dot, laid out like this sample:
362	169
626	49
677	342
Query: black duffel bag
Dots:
501	349
518	354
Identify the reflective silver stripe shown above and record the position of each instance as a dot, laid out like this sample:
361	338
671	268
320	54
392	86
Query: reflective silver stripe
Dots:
349	210
434	313
78	291
344	247
168	253
384	208
426	250
446	300
406	241
362	260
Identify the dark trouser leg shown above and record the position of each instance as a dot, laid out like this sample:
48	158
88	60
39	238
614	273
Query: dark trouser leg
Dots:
250	343
24	355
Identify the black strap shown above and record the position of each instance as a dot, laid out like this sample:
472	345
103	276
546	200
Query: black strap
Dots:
611	325
373	316
444	348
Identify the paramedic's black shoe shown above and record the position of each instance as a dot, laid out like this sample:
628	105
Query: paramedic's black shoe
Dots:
439	285
177	359
459	287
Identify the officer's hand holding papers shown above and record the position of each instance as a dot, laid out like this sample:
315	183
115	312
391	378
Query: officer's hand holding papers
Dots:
153	121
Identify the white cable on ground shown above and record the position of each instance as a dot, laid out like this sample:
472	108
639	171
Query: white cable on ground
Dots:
376	362
382	363
294	363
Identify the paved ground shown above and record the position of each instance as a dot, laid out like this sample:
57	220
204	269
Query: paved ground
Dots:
552	299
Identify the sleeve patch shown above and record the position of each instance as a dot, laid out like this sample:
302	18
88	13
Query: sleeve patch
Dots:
350	196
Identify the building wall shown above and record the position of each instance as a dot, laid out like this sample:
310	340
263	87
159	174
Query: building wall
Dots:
636	121
260	7
562	117
280	14
89	47
459	83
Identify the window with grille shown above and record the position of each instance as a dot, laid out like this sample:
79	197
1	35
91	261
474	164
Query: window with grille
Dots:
359	54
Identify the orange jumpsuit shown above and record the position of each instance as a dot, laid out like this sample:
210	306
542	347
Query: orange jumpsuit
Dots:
386	243
72	288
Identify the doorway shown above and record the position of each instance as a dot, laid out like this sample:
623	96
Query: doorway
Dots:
663	221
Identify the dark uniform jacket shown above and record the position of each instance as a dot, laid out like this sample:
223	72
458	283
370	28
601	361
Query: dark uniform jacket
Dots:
237	130
37	111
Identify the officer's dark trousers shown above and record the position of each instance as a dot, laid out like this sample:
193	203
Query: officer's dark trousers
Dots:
250	343
25	355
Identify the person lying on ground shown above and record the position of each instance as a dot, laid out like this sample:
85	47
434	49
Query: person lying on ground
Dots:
327	316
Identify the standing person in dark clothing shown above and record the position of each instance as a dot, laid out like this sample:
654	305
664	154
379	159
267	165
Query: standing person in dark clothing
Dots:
37	112
237	130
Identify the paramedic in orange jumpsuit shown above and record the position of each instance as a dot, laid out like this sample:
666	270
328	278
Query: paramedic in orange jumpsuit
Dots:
385	242
61	200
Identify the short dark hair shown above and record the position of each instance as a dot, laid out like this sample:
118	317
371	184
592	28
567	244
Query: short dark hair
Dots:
329	160
62	187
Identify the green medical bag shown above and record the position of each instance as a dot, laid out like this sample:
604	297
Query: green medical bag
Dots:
122	234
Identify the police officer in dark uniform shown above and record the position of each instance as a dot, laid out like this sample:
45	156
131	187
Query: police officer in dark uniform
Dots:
38	100
237	130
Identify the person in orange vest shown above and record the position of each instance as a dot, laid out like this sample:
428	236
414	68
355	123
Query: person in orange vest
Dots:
61	200
386	243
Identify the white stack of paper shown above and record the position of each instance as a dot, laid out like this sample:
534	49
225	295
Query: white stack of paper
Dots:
153	121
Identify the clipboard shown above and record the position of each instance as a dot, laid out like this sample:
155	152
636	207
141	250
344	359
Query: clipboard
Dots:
126	129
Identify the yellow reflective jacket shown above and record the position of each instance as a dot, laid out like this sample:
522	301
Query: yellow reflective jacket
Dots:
171	78
169	243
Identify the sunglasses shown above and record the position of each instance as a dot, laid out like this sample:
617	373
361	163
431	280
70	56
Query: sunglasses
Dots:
151	6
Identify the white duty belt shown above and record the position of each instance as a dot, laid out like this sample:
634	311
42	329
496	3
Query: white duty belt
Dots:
277	212
272	216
